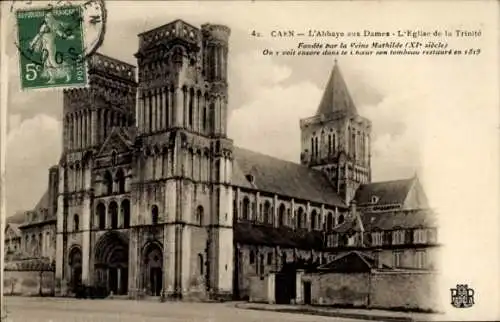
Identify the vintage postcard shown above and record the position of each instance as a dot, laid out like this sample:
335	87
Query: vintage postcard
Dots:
249	160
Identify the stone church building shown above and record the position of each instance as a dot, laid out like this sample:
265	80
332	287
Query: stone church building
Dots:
154	199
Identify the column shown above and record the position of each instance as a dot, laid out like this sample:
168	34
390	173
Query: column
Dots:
171	108
201	104
140	112
196	112
186	258
179	107
166	107
185	94
161	109
80	130
216	115
73	130
216	61
93	127
292	212
85	129
154	110
59	275
85	224
134	271
146	113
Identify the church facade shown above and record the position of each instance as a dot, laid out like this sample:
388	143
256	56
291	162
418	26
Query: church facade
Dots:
154	199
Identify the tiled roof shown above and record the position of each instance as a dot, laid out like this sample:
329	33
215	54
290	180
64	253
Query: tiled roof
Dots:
351	262
43	203
336	96
248	233
15	228
390	220
387	192
400	219
282	177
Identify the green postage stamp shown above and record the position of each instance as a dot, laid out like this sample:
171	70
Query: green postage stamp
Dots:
51	47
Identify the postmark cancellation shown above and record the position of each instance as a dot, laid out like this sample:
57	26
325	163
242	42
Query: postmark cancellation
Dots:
53	43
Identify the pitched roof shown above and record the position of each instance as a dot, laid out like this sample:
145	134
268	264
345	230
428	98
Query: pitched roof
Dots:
387	192
390	220
17	218
43	203
336	96
120	139
282	177
248	233
351	262
400	219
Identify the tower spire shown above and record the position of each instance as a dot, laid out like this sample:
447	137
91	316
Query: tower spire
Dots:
336	96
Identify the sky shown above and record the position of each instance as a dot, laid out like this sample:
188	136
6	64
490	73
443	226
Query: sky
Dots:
434	115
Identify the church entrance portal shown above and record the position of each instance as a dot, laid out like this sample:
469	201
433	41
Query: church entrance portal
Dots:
111	263
153	269
75	263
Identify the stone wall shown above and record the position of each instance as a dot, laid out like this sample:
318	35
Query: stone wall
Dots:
28	283
340	289
260	289
414	289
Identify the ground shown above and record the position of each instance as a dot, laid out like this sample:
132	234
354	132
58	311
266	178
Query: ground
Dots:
21	309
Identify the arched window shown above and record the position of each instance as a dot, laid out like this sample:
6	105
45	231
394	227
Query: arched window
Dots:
300	218
201	263
329	144
252	257
281	215
101	216
314	220
108	181
235	209
267	212
76	223
313	154
341	219
199	216
329	221
113	213
126	213
316	147
191	106
246	209
40	245
120	179
204	118
269	258
154	215
290	218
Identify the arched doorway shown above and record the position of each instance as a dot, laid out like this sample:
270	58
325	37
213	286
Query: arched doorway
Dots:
111	263
75	264
153	269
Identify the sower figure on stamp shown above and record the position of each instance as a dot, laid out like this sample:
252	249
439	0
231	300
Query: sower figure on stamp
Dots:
44	42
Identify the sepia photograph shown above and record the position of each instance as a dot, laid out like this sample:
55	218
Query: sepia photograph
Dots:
249	160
